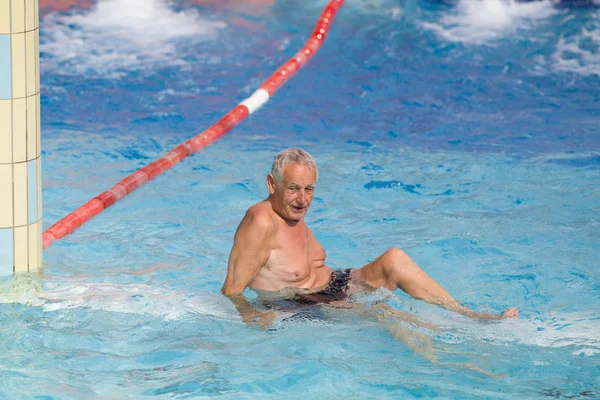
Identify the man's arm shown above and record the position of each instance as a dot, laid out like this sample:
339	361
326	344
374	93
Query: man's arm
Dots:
250	252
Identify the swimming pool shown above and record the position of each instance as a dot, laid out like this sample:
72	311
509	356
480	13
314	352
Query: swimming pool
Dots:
470	142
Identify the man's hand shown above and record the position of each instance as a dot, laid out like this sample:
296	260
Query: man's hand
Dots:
260	319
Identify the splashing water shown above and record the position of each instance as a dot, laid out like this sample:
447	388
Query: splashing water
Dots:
483	21
121	35
580	53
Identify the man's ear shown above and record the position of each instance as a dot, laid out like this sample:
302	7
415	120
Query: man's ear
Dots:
271	184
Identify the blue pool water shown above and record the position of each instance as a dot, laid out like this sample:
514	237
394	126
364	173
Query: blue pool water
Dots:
465	133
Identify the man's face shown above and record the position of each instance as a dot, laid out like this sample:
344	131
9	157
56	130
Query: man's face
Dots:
292	197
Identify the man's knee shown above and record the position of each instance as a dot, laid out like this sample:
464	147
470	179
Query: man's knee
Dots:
394	260
395	256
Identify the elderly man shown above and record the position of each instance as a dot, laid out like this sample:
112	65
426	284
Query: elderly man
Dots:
275	251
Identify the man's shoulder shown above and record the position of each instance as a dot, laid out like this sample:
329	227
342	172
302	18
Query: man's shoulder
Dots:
261	216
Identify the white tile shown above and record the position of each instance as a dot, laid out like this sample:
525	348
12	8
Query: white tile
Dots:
39	189
18	16
31	60
32	127
19	130
4	17
30	15
20	193
37	13
32	192
6	196
35	246
5	132
37	60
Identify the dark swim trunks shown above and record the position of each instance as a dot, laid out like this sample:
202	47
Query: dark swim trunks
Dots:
336	290
336	287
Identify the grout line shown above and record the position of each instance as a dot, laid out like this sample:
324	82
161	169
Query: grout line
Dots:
12	131
25	97
22	226
22	162
26	129
25	31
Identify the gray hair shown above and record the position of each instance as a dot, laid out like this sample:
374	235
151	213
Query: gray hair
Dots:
291	156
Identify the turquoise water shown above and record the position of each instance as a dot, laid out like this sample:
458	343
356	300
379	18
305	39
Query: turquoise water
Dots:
470	142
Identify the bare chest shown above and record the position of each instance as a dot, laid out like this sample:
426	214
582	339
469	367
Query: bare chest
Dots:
295	258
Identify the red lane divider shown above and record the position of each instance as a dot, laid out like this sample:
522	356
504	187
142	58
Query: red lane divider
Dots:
99	203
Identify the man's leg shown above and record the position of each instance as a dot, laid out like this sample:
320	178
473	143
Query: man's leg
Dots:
394	269
399	324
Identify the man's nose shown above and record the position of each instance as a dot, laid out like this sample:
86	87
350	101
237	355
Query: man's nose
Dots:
302	196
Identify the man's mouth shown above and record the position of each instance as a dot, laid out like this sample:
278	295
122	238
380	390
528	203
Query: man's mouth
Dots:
298	208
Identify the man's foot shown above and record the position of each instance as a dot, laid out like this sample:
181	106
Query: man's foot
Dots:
511	313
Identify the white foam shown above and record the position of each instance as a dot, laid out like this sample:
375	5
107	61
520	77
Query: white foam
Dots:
120	34
123	298
483	21
579	330
580	53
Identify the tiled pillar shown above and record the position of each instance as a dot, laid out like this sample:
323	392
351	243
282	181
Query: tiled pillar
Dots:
20	168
